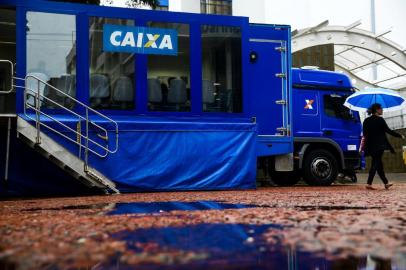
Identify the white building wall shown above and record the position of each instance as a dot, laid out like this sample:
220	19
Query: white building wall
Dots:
306	13
192	6
254	9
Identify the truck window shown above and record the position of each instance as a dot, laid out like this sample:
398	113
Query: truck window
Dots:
51	58
334	106
169	76
221	69
111	75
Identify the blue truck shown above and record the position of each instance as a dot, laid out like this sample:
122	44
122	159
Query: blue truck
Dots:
326	133
128	100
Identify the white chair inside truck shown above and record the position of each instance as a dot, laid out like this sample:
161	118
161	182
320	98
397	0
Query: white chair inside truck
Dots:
99	90
123	93
154	93
177	94
208	94
33	87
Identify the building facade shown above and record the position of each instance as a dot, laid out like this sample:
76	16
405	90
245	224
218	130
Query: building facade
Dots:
220	7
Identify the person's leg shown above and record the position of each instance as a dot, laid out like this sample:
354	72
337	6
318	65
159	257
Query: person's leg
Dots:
372	170
379	167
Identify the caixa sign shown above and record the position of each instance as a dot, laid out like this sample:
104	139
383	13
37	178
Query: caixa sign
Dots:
144	40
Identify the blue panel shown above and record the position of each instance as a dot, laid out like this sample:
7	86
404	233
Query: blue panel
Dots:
321	78
169	124
82	50
21	52
202	160
268	146
266	86
196	70
164	154
143	40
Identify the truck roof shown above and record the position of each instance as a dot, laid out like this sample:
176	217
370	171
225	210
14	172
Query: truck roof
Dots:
320	79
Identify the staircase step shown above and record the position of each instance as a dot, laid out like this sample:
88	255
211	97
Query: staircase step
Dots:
63	158
101	179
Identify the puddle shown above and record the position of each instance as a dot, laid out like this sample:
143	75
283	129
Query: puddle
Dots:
150	207
161	207
332	207
74	207
224	246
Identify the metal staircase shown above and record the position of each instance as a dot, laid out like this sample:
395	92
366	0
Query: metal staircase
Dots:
36	117
64	159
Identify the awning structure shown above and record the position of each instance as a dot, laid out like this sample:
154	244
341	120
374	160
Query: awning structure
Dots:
370	59
359	53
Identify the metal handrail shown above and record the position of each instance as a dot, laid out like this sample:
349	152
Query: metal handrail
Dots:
67	127
37	109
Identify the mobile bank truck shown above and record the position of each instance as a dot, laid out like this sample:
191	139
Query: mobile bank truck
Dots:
128	100
326	134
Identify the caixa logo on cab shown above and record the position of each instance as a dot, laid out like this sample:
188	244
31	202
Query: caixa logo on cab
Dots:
143	40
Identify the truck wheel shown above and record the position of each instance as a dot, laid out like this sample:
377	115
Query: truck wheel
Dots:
284	179
320	168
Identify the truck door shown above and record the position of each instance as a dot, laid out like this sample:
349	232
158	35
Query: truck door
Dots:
268	78
306	113
338	123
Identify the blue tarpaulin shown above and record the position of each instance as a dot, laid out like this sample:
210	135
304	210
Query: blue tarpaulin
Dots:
157	155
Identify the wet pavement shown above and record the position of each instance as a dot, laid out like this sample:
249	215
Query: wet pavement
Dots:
162	207
337	227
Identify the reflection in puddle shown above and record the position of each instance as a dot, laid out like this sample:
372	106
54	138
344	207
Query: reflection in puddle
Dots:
332	207
224	246
159	207
150	207
104	206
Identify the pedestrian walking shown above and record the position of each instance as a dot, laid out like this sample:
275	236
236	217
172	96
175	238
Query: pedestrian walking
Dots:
376	142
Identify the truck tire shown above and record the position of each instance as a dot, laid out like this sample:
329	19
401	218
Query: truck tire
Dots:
320	168
285	179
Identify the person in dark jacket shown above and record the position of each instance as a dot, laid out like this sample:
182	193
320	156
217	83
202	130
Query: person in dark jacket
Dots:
376	142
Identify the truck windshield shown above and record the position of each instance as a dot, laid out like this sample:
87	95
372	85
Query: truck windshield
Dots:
334	107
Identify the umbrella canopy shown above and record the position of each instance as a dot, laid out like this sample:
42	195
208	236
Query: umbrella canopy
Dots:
362	100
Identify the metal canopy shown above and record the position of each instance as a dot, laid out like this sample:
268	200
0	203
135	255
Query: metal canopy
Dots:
357	53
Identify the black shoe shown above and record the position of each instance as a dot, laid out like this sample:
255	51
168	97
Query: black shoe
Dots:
388	185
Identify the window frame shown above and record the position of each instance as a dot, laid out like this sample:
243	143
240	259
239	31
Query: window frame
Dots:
141	17
22	13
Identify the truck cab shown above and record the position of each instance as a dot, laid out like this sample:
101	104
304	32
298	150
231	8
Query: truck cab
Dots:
326	133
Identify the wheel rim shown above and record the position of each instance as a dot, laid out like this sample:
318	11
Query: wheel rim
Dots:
321	167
